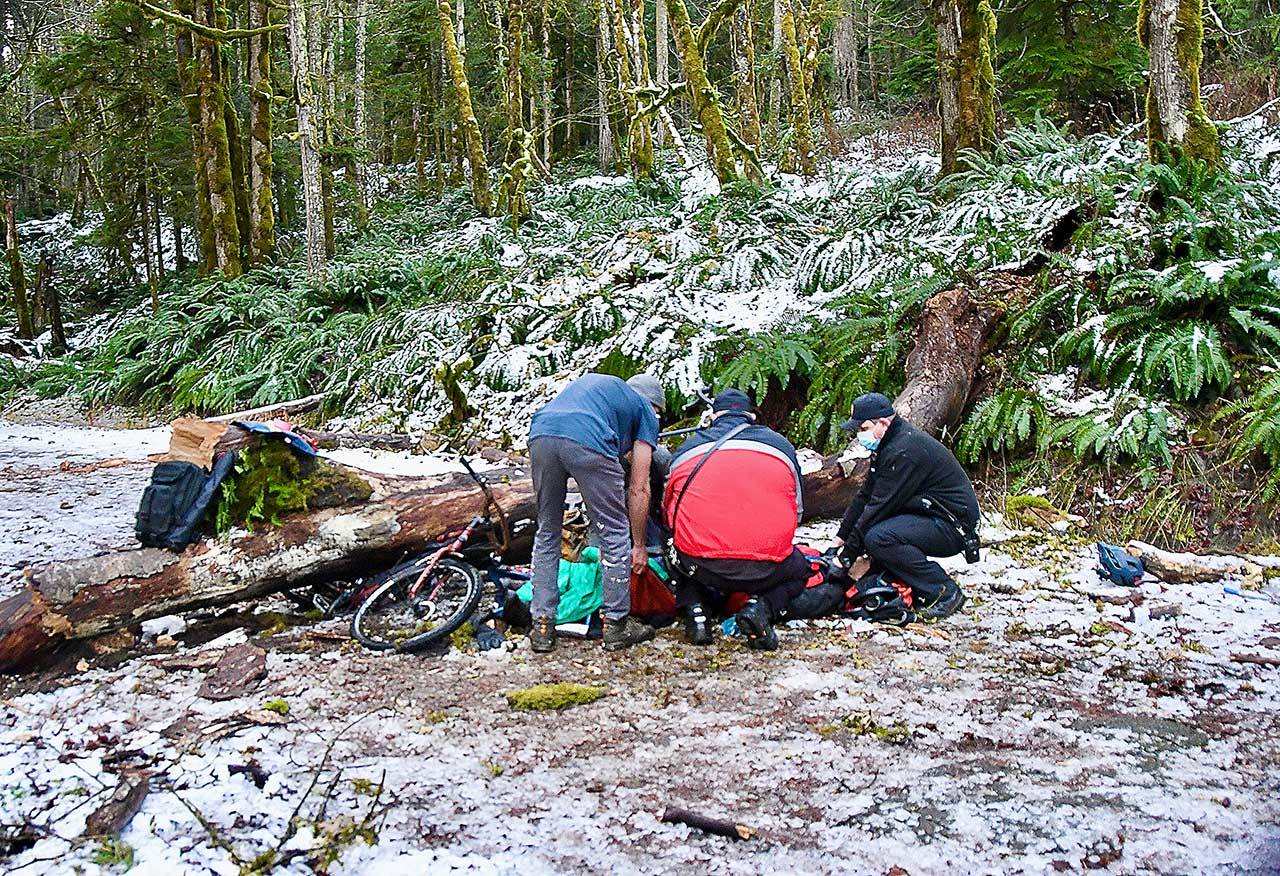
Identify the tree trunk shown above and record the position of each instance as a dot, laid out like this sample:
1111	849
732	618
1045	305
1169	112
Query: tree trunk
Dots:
661	56
776	74
1173	32
17	280
262	242
308	137
46	289
744	56
153	280
518	162
545	90
947	22
179	245
844	52
217	150
966	78
203	213
608	149
480	194
801	124
639	141
85	598
702	96
321	56
359	131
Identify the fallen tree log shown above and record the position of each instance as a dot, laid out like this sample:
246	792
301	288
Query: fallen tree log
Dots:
398	516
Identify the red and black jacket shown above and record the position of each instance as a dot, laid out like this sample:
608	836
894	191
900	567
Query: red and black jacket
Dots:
745	501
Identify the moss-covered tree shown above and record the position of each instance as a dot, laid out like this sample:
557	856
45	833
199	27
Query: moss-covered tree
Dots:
703	98
801	123
262	241
966	32
1173	32
470	128
17	278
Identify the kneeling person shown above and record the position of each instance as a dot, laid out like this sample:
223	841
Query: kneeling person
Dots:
917	503
732	503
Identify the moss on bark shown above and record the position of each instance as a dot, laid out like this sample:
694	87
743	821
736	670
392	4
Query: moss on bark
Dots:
703	98
271	480
801	123
261	213
480	194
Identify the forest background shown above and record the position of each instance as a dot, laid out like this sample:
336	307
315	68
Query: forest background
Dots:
435	214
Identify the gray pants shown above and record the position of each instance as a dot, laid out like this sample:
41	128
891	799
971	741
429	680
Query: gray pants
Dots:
600	482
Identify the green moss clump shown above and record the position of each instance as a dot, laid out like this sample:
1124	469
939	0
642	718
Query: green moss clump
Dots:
270	480
280	707
544	697
463	637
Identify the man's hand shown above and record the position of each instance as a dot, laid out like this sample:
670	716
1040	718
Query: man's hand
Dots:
639	559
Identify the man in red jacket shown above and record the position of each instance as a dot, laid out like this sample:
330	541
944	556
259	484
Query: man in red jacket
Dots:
732	503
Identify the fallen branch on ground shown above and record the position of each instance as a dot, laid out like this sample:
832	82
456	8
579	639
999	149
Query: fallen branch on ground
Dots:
707	824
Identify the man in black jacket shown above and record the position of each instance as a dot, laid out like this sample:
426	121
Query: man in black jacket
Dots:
917	503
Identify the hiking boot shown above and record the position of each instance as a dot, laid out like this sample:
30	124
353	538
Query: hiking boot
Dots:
625	632
947	603
543	635
697	626
755	623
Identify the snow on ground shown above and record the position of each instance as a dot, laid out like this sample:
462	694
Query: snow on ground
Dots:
56	504
1037	732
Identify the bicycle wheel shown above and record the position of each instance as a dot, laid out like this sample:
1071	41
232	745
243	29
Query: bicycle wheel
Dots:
388	620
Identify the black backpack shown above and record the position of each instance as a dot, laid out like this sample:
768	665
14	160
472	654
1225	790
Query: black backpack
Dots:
173	504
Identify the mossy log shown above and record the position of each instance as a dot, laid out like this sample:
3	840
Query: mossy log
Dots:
352	536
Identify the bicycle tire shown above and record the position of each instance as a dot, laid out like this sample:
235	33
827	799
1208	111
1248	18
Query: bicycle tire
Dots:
388	602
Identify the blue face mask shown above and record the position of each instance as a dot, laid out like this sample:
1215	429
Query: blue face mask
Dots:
868	440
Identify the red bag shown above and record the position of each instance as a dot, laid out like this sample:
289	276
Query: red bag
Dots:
649	596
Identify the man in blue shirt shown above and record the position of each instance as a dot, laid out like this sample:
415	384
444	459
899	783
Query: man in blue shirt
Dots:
584	433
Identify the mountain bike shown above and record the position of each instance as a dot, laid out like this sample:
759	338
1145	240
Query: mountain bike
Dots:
426	598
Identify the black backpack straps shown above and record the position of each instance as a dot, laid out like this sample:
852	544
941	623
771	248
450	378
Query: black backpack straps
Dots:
675	512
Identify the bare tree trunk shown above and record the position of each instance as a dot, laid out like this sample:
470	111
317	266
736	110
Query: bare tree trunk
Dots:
546	91
322	60
156	227
480	194
46	289
947	22
359	122
844	52
17	279
744	56
662	56
153	282
608	150
262	243
1173	32
308	137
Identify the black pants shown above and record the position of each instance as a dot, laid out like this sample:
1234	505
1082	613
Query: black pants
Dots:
776	584
902	545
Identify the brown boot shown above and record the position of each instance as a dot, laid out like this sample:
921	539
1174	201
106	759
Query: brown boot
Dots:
624	632
542	636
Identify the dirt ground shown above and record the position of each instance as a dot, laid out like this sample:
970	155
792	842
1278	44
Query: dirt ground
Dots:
1043	730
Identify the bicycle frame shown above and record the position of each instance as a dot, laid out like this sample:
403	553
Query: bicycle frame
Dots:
453	547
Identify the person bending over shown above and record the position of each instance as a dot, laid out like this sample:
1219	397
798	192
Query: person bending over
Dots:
917	503
732	503
584	433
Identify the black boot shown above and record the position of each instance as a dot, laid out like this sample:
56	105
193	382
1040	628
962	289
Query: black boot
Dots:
948	602
624	632
755	623
543	635
697	625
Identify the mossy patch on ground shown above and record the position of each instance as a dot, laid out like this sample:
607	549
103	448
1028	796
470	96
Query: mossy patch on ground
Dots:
545	697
